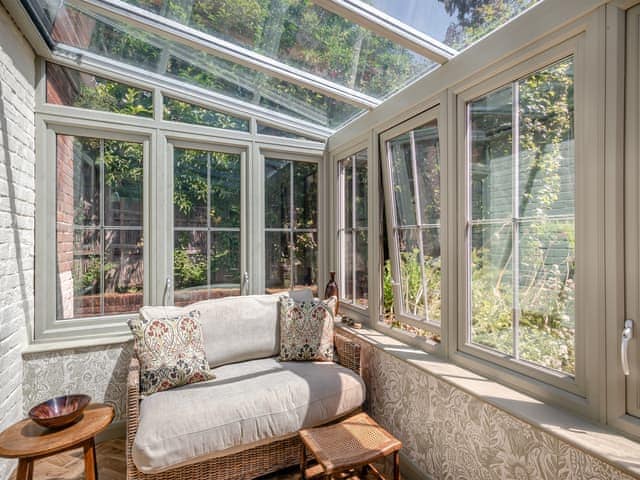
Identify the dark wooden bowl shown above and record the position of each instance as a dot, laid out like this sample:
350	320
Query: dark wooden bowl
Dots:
59	412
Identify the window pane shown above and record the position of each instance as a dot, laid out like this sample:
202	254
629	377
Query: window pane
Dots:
305	261
547	293
399	154
347	288
225	264
278	132
305	191
85	282
190	267
491	286
190	187
277	193
178	111
123	271
278	266
303	35
361	189
492	155
412	286
347	168
428	164
123	183
361	268
70	87
98	191
432	272
224	209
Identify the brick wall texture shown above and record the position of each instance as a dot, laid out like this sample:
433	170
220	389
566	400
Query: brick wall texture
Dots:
17	209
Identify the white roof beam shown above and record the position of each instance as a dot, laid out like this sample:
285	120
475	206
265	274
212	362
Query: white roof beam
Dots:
122	72
169	29
389	27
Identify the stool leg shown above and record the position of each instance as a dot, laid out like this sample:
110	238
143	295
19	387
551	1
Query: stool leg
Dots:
303	462
25	469
396	466
90	464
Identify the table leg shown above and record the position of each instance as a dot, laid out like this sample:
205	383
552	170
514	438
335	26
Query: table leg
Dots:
396	466
25	469
90	464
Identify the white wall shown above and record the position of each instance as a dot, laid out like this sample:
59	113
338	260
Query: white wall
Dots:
17	209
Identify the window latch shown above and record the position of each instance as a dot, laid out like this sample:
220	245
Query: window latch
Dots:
245	283
167	288
627	335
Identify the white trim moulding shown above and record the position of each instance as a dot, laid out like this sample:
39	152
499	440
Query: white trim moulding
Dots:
389	27
191	37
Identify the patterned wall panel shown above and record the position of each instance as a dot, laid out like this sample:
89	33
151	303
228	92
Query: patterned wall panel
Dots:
449	434
97	371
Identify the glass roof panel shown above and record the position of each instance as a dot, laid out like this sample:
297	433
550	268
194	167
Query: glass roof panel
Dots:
303	35
456	23
114	40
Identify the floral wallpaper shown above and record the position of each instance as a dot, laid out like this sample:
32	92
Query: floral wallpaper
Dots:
446	433
97	371
449	434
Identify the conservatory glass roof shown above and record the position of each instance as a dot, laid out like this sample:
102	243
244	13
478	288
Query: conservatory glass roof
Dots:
320	62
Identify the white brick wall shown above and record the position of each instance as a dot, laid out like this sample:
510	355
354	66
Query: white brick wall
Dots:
17	208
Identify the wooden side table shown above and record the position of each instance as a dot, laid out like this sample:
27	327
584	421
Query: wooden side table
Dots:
27	441
354	443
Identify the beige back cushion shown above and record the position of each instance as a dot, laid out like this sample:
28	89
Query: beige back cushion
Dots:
235	329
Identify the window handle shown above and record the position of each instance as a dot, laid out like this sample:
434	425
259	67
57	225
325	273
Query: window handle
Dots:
167	288
627	334
245	283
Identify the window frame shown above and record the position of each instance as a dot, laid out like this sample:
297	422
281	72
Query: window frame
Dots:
208	145
585	391
47	325
341	230
435	113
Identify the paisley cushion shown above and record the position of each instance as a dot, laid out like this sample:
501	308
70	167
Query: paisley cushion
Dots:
306	329
170	351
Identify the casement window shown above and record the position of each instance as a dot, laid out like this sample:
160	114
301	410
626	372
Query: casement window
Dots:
412	181
291	225
528	302
353	232
207	224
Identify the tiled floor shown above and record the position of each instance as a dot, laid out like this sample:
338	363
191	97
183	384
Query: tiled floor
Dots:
111	465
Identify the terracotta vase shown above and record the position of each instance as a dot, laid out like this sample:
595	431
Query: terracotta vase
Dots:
331	289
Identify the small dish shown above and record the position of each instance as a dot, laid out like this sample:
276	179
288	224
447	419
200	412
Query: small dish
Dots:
59	412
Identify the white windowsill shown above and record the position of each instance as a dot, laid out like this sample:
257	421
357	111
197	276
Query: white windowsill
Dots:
594	439
53	346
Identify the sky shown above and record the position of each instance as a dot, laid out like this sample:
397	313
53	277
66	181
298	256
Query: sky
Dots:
428	16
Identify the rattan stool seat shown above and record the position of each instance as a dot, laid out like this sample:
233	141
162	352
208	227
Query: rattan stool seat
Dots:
352	443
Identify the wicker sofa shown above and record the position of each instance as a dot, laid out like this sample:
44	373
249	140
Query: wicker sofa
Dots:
244	423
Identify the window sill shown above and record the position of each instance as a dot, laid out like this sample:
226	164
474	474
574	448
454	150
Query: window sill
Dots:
53	346
594	439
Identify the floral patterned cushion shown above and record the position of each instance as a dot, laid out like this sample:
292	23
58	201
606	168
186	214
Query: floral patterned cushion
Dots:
170	351
306	330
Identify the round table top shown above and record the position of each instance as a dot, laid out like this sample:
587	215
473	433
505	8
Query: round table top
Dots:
28	439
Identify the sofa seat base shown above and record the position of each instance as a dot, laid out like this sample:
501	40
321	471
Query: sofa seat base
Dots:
247	404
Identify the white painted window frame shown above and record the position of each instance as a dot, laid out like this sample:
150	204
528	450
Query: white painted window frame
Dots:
159	136
347	306
435	113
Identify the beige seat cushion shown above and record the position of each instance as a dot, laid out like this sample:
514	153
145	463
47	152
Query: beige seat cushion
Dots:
247	403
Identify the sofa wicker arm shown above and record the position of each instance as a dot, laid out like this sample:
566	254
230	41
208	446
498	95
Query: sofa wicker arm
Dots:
133	408
348	353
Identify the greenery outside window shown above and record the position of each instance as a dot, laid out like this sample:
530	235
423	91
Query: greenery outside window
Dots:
353	234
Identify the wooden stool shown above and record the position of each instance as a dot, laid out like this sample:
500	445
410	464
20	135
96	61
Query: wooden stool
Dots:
28	441
354	443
